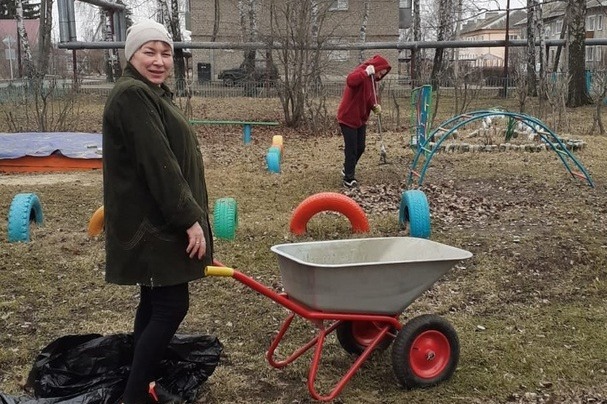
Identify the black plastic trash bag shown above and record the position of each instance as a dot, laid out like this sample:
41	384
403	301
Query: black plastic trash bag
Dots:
92	369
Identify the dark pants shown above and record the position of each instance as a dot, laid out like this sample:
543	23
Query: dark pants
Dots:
161	310
354	147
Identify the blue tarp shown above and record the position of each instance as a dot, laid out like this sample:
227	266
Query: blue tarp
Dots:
41	144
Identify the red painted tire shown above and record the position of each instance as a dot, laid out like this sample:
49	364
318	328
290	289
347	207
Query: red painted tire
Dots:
96	222
328	201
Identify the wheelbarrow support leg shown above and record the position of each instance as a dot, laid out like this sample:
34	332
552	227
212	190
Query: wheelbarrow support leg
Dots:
270	356
349	374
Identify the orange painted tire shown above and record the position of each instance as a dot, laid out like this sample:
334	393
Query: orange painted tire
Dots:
328	201
96	223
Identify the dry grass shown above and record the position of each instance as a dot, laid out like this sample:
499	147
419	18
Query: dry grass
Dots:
528	307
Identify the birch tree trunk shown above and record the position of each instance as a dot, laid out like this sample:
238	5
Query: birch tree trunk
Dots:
416	57
532	6
363	30
44	35
576	57
445	12
108	54
541	57
30	69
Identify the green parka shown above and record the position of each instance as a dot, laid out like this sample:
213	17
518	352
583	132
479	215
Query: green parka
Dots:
154	186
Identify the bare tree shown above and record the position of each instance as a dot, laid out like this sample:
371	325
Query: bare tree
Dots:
542	58
216	19
598	92
445	19
298	25
576	39
531	80
416	58
363	30
30	69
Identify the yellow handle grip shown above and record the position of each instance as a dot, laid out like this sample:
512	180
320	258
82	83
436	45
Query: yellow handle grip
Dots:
218	271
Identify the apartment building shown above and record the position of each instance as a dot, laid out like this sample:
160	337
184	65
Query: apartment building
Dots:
342	21
491	27
554	24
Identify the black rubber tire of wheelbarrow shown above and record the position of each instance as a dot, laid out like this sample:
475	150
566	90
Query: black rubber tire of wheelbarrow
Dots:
349	342
403	347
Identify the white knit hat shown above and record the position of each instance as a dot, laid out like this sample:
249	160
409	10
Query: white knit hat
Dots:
143	32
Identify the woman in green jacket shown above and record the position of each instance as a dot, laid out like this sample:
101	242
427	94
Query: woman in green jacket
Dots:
155	201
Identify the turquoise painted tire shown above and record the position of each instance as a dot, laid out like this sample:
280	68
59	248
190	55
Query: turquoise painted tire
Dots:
225	218
415	211
25	208
275	149
273	161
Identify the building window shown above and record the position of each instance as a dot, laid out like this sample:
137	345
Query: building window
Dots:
599	22
598	53
589	53
590	23
404	4
559	26
512	36
339	5
547	31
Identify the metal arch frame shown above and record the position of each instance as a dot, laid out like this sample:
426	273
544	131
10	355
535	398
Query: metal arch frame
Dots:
464	119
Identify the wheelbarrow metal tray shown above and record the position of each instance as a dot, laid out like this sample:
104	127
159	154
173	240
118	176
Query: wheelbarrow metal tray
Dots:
366	275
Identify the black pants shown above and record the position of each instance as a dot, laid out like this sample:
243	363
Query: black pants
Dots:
161	310
354	147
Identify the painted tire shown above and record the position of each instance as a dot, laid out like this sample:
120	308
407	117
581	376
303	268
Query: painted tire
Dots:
414	209
275	149
24	209
273	161
277	140
425	352
96	223
225	218
328	201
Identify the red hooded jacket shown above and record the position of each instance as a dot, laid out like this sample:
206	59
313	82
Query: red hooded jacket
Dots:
358	98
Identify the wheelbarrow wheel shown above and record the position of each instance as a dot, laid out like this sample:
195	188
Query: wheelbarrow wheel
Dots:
355	336
425	352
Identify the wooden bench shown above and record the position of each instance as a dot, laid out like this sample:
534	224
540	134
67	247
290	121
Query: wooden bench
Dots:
246	125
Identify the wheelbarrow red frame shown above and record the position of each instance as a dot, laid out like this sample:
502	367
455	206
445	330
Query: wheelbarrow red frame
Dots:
326	322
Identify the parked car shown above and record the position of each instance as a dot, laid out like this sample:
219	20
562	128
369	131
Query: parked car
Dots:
241	75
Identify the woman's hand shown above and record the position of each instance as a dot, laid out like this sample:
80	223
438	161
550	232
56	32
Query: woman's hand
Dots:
197	245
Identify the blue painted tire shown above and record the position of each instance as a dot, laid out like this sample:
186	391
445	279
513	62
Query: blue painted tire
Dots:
225	218
24	209
273	161
414	209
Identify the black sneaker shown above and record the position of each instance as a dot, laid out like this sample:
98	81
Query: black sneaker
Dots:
350	183
159	394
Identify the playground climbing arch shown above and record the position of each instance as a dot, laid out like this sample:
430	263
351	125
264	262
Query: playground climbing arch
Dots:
426	149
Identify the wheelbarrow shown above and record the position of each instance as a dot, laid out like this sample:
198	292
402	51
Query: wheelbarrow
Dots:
359	288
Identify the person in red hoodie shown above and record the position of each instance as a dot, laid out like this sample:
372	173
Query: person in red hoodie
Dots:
357	102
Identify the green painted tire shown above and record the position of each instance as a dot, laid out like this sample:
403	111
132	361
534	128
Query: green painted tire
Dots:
225	218
24	209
